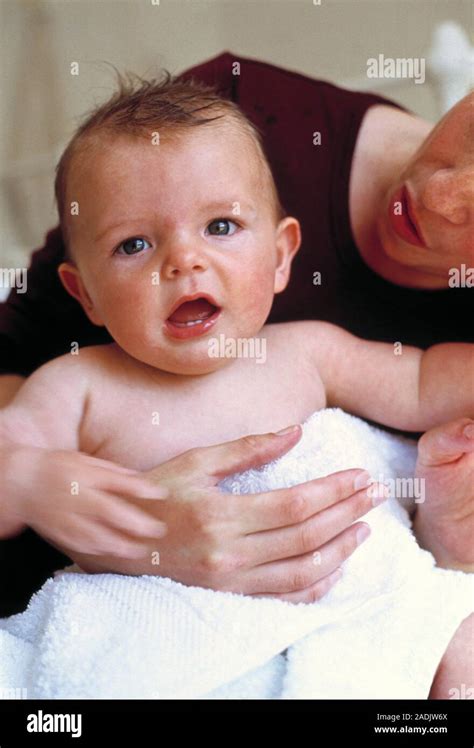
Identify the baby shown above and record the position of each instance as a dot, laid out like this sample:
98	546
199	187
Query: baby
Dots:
177	243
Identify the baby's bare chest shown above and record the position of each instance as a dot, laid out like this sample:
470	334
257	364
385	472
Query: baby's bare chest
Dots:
139	424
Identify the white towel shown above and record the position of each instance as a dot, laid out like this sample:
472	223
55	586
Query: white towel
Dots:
380	632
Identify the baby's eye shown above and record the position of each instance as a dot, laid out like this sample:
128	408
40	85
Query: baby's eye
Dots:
132	246
220	227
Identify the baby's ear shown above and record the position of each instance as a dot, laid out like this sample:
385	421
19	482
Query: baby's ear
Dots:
288	241
71	279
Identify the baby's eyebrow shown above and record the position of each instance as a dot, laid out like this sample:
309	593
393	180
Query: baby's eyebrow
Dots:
229	205
114	226
224	205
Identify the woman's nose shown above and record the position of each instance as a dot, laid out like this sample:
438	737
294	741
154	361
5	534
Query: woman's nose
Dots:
450	193
183	259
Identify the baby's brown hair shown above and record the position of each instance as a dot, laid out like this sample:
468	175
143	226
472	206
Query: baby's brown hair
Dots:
140	107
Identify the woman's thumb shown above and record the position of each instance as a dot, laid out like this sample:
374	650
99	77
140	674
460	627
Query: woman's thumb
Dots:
447	443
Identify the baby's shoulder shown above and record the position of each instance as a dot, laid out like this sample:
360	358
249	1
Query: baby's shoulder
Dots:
304	334
80	357
73	371
95	357
49	407
311	343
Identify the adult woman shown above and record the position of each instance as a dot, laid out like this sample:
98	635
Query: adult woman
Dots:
375	258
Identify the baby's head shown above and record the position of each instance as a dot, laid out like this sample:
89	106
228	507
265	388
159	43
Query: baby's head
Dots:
172	223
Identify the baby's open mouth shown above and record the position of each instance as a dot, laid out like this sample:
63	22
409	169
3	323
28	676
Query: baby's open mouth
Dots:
192	317
192	313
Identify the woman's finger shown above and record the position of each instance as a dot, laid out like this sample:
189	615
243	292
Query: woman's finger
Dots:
311	594
248	452
296	540
98	462
84	535
134	486
284	507
446	443
116	512
299	573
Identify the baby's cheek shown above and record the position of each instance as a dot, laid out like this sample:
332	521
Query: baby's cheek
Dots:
255	297
126	300
260	279
126	311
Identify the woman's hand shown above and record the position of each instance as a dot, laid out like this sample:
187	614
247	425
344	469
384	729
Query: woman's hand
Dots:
288	543
444	523
75	501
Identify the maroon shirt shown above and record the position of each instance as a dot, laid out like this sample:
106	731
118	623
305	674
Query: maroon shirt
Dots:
313	183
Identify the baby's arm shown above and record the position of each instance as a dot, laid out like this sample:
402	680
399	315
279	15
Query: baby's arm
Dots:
48	408
405	388
44	414
74	500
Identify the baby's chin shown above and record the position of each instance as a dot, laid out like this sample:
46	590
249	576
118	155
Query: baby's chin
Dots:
193	357
181	363
193	369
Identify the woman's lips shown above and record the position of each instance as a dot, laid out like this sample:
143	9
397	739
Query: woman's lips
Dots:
404	222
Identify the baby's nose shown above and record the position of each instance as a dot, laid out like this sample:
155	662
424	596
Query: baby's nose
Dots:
181	260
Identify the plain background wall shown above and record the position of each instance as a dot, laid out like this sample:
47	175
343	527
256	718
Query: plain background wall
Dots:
41	102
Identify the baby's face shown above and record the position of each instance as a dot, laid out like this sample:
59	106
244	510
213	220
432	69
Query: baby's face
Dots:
176	243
